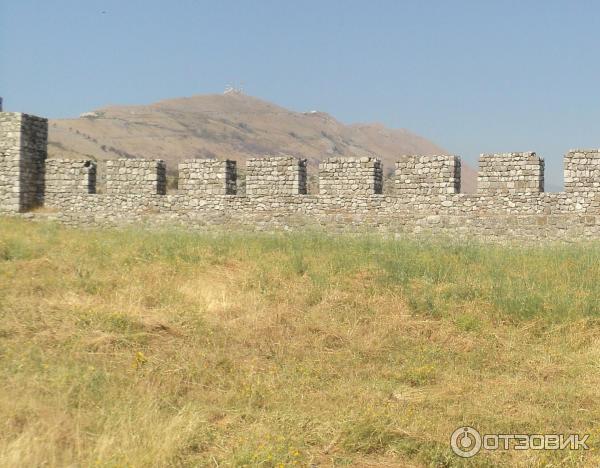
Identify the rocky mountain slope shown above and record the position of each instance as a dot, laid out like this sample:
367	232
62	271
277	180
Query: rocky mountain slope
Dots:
232	126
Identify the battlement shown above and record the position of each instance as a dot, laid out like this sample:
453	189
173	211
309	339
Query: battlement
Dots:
23	152
582	171
66	177
136	176
281	175
208	177
424	197
350	176
510	173
427	175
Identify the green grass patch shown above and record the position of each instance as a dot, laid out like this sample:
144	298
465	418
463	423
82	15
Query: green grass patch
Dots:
127	347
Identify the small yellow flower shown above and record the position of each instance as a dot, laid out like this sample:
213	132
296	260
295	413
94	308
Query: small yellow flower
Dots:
139	360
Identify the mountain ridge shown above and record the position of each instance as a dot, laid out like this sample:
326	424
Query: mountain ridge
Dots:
234	126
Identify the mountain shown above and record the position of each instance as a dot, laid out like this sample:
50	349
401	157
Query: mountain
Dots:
230	125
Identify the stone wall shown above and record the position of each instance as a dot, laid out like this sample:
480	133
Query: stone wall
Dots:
207	177
508	217
582	172
34	151
281	175
136	176
65	177
510	204
527	216
10	155
427	175
350	176
23	151
510	173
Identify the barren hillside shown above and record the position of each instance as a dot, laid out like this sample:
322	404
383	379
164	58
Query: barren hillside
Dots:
232	126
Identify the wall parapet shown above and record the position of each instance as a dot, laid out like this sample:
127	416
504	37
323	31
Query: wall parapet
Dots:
350	176
136	176
208	177
510	202
23	152
66	177
278	175
427	175
511	172
582	172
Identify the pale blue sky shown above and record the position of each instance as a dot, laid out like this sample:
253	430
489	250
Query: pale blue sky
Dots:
473	76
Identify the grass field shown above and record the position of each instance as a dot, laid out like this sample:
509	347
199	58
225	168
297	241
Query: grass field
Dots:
131	348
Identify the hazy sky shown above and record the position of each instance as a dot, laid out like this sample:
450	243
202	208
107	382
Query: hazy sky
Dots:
473	76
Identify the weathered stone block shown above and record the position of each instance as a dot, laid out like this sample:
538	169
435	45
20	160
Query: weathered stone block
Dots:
427	175
582	172
351	176
23	151
207	177
510	173
136	176
66	177
280	175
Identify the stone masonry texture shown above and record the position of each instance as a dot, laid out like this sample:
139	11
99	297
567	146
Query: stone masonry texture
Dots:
280	175
23	151
350	176
207	177
427	175
510	173
68	176
582	172
10	156
136	177
510	204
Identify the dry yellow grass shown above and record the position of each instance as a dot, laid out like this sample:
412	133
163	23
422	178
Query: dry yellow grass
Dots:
130	348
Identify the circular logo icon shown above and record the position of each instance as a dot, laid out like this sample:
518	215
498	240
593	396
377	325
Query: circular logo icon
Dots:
465	442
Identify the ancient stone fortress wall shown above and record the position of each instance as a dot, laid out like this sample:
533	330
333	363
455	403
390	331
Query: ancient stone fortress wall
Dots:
136	177
10	157
427	175
23	151
282	175
510	173
65	177
582	172
351	176
207	177
510	203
